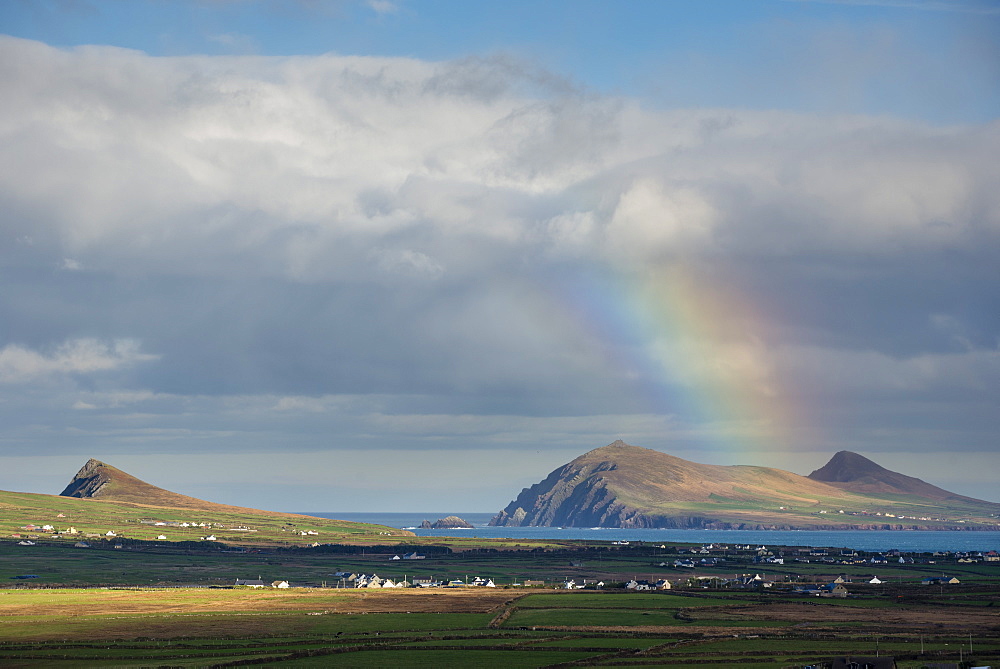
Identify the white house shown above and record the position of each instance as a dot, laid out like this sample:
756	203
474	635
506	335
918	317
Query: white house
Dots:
250	583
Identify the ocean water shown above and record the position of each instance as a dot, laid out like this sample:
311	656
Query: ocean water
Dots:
867	540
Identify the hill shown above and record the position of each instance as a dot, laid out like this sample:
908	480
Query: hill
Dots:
98	480
850	471
103	502
627	486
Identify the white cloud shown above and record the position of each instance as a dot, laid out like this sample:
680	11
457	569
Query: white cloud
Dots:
19	364
285	167
651	219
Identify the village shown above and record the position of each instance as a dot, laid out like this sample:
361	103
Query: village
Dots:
615	565
689	573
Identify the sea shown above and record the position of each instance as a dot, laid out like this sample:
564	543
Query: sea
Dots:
865	540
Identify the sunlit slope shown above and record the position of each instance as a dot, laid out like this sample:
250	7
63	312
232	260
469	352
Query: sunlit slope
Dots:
129	508
626	486
99	480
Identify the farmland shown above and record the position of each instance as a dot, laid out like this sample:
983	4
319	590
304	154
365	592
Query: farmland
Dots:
473	627
137	603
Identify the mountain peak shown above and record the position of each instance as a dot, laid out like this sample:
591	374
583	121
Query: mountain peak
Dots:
99	480
91	465
620	449
92	480
856	473
616	446
846	466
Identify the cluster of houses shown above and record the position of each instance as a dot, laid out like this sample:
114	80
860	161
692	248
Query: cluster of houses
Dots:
761	554
826	590
880	514
44	529
571	584
661	584
354	580
690	564
843	578
747	581
851	557
210	537
257	583
177	523
56	533
837	587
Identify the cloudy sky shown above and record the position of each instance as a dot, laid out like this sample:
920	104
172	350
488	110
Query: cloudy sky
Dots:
401	255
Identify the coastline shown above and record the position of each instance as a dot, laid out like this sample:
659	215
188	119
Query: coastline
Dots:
868	539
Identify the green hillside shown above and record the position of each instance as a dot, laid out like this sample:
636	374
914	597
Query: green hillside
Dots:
93	518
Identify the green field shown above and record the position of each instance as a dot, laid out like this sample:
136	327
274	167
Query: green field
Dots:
205	627
614	600
92	519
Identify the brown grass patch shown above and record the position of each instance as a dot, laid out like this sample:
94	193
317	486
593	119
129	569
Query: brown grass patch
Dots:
74	603
42	615
903	618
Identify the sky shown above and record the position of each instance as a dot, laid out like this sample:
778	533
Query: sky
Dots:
390	255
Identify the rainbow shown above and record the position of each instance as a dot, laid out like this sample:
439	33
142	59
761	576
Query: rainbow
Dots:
697	349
